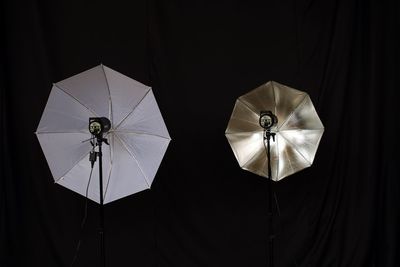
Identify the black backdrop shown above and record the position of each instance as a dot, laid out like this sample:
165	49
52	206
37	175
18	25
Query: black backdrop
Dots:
203	210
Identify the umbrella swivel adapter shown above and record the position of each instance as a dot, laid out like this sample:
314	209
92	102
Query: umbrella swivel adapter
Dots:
288	117
123	114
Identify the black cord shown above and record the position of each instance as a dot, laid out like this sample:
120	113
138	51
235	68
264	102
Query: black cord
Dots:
83	220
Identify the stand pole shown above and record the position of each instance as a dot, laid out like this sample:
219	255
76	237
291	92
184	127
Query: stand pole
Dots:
267	135
101	229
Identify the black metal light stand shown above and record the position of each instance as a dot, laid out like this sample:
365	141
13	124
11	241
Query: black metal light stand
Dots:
267	137
267	121
97	127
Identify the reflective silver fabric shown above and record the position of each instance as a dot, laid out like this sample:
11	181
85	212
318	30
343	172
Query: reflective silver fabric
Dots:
298	131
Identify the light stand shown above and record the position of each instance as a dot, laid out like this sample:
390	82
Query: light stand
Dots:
97	127
267	121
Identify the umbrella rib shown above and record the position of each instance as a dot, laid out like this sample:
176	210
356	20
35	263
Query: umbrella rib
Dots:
241	133
111	167
289	161
278	161
133	109
76	99
133	156
110	113
254	131
81	158
302	102
60	132
273	93
147	118
252	157
296	149
143	133
247	106
307	142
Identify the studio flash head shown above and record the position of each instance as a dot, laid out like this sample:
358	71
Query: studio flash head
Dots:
267	120
99	125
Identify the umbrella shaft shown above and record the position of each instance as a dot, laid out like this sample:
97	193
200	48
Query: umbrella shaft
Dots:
270	211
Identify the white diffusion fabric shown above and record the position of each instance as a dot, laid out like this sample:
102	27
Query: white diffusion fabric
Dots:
138	136
63	151
77	178
90	89
147	150
145	118
64	114
127	176
125	95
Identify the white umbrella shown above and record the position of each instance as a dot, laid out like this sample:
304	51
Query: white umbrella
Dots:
138	137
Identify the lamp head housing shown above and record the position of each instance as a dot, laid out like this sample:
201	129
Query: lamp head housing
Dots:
99	125
267	119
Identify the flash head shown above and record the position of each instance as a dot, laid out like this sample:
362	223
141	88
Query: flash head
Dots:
267	119
99	125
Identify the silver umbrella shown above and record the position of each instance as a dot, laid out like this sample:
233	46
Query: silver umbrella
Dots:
274	131
297	132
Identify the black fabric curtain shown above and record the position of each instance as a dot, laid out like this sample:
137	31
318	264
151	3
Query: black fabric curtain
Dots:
199	56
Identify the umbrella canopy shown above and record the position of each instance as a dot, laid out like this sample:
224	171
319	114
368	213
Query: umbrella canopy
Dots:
138	137
297	133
